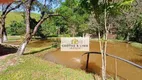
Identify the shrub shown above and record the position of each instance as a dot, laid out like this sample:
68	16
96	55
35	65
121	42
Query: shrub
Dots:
16	28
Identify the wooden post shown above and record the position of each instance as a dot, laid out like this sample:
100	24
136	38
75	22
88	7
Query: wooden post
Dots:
87	61
115	68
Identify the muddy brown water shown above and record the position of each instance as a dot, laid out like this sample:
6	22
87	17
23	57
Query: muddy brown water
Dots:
124	70
75	59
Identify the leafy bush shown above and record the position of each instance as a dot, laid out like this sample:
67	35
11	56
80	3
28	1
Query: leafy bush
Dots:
16	28
137	32
48	29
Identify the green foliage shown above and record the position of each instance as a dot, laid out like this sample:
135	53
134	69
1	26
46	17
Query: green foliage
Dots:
130	24
16	28
121	14
74	17
83	16
83	28
137	45
136	32
49	29
126	3
12	16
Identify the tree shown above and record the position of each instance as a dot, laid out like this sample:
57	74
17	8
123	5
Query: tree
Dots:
46	12
49	28
128	22
137	30
75	17
6	8
104	11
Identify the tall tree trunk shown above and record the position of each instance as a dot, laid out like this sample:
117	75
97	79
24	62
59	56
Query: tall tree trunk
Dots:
28	35
128	37
4	31
24	44
103	51
73	31
3	35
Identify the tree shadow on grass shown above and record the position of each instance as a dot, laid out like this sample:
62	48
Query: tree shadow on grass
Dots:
38	51
4	50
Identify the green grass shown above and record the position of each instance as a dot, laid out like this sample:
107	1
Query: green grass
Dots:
13	16
17	16
134	44
7	59
14	38
137	45
34	68
31	67
109	40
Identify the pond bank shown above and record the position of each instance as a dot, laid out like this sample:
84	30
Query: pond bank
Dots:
30	67
122	49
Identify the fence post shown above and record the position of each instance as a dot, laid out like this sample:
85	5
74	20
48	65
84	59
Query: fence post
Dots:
87	61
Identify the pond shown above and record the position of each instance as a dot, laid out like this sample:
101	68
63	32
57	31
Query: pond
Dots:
124	70
75	59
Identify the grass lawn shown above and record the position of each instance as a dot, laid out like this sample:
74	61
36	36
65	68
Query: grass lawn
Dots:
134	44
30	67
137	45
17	16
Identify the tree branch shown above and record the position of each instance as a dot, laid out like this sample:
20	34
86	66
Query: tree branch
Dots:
17	6
43	12
41	21
5	10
